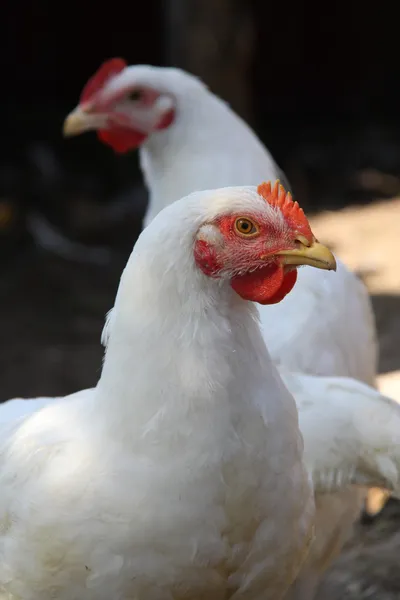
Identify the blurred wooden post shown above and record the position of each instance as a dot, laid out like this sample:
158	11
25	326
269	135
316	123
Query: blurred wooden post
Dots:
215	40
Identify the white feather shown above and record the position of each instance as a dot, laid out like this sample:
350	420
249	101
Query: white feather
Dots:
179	478
326	325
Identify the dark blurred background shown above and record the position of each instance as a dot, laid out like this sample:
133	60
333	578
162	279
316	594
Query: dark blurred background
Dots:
318	81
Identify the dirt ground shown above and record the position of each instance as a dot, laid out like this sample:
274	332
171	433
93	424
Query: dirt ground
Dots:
52	315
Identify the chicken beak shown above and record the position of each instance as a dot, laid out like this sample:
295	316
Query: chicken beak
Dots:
315	255
80	120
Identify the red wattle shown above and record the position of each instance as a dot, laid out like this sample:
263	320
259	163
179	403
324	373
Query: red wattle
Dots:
288	282
120	139
268	285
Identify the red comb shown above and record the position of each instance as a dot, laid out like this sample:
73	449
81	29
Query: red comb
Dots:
107	70
277	196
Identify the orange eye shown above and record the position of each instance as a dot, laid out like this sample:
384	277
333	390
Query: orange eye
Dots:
246	227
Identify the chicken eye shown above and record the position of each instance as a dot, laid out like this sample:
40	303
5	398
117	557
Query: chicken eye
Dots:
245	227
134	96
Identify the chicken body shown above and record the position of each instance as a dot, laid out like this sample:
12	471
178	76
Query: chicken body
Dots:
166	481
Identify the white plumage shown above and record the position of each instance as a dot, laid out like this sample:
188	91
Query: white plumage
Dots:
208	146
185	471
181	475
351	435
326	325
19	407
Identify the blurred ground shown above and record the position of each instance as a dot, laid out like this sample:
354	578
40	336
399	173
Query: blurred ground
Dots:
53	312
369	567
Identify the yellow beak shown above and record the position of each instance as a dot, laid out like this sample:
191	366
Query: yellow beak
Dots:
315	255
80	120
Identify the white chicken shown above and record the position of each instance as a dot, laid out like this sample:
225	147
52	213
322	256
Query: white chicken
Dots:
17	407
191	140
351	434
201	490
343	444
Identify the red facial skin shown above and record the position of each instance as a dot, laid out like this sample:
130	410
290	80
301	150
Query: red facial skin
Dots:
120	134
240	254
124	139
121	139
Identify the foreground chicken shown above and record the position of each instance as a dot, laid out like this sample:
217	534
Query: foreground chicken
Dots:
191	140
343	444
200	491
181	476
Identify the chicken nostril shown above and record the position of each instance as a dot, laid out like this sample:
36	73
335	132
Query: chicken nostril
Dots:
301	241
